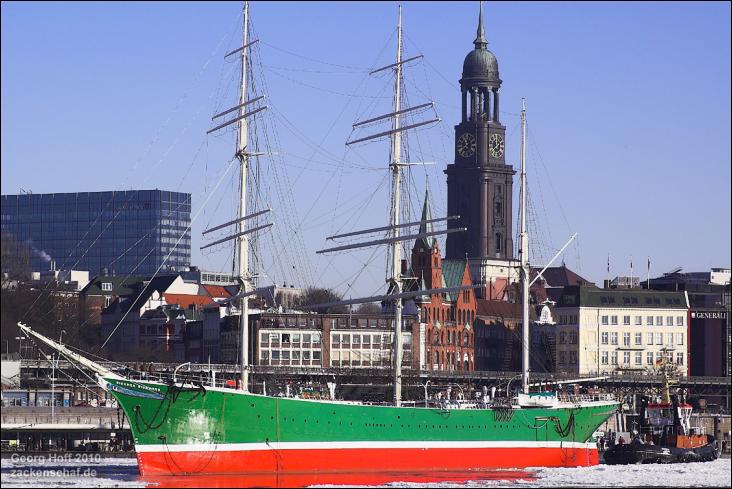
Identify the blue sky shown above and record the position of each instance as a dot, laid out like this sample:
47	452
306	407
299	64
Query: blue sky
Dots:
628	110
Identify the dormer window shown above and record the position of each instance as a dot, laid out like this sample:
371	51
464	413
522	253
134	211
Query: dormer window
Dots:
107	286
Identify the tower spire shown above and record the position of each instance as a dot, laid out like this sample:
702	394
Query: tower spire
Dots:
426	227
480	41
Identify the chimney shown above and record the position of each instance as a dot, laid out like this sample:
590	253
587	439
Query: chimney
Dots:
53	265
606	284
105	272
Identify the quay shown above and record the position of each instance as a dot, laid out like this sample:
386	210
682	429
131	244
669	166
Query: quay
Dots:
76	416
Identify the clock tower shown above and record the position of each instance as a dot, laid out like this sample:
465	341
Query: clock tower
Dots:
480	183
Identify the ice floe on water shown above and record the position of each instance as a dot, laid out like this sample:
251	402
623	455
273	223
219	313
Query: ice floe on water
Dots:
122	472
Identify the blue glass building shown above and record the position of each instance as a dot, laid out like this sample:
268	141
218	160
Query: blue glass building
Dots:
126	232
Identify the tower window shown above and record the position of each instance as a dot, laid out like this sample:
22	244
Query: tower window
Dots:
498	242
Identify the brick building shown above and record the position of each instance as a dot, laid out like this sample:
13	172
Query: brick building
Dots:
448	318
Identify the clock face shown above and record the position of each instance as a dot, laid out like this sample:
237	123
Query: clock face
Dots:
466	145
495	145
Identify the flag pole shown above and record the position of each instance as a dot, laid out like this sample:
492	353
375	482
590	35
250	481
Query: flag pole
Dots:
630	284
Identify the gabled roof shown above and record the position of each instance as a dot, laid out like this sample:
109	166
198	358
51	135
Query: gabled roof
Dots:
122	286
560	277
141	293
499	309
186	300
452	275
218	291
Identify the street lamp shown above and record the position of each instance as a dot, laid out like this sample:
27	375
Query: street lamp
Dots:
508	387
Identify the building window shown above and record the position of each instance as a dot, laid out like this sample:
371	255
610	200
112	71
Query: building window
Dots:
626	358
614	338
626	320
573	357
659	338
562	357
659	320
638	357
572	338
604	358
107	286
669	320
679	320
649	358
615	357
649	320
562	337
639	320
679	338
498	242
679	358
626	339
605	338
639	338
669	339
614	320
659	356
604	320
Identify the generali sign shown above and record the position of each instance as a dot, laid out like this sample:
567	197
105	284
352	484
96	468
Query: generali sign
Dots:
709	315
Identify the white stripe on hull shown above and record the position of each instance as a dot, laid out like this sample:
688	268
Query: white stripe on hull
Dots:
358	445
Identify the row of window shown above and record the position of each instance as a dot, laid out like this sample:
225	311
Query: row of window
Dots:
611	358
648	300
287	339
613	320
612	338
443	314
568	357
570	338
450	337
304	321
366	341
287	357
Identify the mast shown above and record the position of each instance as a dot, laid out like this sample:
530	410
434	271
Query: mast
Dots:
396	144
243	239
524	253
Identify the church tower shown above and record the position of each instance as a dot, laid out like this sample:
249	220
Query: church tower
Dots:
480	183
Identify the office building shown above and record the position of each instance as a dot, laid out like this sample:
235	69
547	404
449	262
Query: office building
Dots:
126	232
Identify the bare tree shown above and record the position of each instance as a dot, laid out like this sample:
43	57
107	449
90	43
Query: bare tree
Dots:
314	296
368	308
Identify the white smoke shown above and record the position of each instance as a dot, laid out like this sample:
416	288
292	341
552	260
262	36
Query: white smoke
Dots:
42	255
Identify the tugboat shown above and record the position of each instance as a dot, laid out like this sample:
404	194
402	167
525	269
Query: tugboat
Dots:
665	435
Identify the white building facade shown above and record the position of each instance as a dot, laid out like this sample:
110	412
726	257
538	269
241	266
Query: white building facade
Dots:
621	331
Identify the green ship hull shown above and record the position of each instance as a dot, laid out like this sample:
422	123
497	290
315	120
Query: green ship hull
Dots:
200	430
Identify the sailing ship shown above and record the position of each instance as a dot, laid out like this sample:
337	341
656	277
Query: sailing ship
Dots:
181	428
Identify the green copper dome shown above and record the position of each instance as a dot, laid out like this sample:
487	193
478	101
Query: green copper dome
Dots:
480	64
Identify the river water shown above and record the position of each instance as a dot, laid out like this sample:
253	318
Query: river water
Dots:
72	471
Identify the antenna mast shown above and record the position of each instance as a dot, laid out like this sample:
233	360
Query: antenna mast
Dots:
396	146
524	252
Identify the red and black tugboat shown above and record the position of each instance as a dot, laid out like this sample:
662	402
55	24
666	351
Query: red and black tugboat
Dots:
665	435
